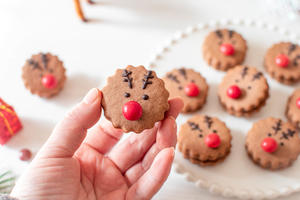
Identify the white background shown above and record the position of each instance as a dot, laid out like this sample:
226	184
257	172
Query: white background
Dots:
121	32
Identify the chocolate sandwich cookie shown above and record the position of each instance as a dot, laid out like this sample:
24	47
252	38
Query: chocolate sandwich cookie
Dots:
243	90
204	140
282	62
134	99
292	111
224	49
189	85
272	143
44	75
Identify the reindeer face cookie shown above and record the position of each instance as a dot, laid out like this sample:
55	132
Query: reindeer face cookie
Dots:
44	75
282	61
134	99
273	144
189	85
243	90
224	49
204	140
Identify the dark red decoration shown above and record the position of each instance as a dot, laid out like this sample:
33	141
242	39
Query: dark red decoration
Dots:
25	154
298	102
269	145
227	49
132	110
212	140
234	92
49	81
282	60
9	122
191	90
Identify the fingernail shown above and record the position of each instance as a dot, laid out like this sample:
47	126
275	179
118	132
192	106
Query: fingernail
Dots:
173	119
157	124
91	96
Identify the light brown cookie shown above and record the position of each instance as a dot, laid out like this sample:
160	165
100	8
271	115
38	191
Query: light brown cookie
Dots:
134	99
224	49
44	75
272	143
292	111
243	90
204	140
189	85
282	62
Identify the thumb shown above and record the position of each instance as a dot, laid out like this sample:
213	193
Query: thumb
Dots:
71	131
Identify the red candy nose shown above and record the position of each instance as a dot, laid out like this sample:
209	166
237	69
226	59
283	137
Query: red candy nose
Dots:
234	92
191	90
49	81
212	140
132	110
269	145
282	60
298	102
227	49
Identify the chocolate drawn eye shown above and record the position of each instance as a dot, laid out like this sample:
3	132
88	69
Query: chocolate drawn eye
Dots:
237	81
214	131
179	88
249	87
145	97
281	143
200	135
193	81
126	94
269	134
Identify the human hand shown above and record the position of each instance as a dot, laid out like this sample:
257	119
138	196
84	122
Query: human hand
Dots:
76	164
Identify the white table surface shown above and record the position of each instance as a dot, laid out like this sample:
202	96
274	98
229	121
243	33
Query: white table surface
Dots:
122	32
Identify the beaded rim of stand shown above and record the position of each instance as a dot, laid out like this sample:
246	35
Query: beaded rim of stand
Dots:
216	188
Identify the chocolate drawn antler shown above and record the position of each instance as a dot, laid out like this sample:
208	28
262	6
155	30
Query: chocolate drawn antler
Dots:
182	72
292	47
126	74
208	121
173	78
277	127
194	126
219	34
34	64
257	76
244	72
230	33
146	79
44	60
290	133
295	62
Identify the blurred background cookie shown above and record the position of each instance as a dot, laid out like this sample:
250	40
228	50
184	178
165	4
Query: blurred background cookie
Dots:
224	49
189	85
282	62
134	99
44	75
243	91
293	108
204	140
272	143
